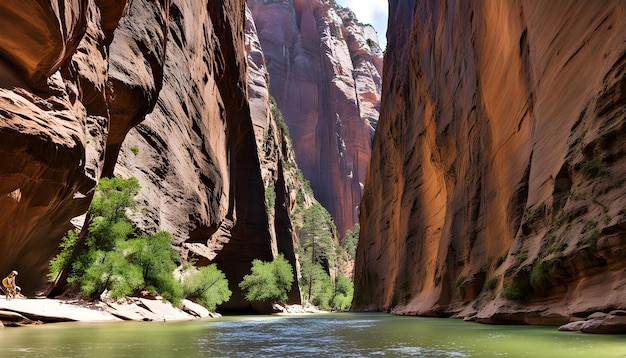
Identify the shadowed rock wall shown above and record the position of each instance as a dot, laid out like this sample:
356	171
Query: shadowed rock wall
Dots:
152	89
498	164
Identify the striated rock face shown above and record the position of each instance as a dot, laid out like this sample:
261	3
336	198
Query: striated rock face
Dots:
53	125
152	89
497	186
325	76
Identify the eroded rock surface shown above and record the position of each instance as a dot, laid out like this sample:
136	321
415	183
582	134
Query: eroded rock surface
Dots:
325	76
53	125
496	189
151	89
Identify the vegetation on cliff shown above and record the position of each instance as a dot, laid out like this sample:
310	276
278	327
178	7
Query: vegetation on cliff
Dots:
113	258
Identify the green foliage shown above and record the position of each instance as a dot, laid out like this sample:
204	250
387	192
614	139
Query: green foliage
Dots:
268	281
607	137
316	234
113	258
491	283
344	291
500	260
521	258
315	282
556	248
459	281
517	290
208	286
134	149
350	240
370	43
278	117
591	240
61	260
270	198
593	168
539	276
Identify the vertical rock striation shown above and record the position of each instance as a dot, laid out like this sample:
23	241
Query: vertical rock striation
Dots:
325	75
53	125
157	90
497	185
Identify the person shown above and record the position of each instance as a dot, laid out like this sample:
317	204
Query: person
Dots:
9	285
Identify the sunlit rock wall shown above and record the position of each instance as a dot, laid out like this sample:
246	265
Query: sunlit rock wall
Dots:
498	164
324	72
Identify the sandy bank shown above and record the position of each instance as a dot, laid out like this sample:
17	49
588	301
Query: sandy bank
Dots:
25	311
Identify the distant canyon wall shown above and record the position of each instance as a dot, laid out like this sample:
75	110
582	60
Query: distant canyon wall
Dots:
497	184
325	74
152	89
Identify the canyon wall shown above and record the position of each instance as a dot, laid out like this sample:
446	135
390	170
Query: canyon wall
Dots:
497	185
325	70
157	90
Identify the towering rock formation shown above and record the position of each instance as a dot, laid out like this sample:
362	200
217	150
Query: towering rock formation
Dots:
53	125
497	185
152	89
325	75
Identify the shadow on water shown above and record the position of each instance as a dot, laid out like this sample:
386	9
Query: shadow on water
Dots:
323	335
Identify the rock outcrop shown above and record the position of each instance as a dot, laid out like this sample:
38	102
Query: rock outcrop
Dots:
53	126
157	90
324	68
497	185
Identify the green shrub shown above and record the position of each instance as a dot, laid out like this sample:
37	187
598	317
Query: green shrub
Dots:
491	283
134	149
500	260
593	168
351	240
112	258
556	248
539	276
517	290
207	286
268	281
62	260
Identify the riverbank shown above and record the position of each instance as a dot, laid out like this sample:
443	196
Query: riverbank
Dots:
33	311
29	311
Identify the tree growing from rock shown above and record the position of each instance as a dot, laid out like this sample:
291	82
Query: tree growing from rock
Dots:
115	259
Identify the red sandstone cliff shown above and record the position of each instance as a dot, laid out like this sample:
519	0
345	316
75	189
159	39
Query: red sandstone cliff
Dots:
498	166
325	76
152	89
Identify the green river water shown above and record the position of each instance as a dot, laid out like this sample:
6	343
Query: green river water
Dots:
324	335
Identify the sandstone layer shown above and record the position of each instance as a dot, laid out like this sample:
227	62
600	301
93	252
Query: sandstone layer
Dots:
157	90
53	126
324	68
497	185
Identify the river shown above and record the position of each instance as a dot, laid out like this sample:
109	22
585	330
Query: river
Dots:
324	335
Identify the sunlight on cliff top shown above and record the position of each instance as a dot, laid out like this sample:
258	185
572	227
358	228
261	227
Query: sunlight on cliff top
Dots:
374	12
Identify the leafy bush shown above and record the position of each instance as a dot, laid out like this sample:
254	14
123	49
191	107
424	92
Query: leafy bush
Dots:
268	281
315	283
112	257
134	149
351	240
208	286
539	276
344	291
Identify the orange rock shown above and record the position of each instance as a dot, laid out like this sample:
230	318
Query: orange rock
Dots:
499	154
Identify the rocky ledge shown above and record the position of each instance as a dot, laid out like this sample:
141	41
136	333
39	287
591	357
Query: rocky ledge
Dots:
29	311
599	322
